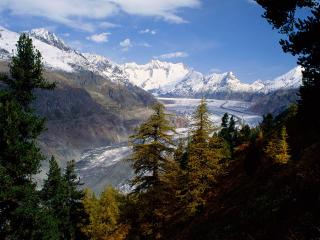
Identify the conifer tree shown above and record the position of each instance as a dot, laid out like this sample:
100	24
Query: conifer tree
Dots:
283	154
202	164
152	145
26	70
20	157
301	39
229	131
245	134
181	155
153	148
267	126
220	147
104	214
225	120
277	148
76	216
53	195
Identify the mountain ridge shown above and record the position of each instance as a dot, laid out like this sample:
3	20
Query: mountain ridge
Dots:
158	77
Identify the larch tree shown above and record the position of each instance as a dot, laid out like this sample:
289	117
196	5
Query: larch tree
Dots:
277	148
153	148
202	166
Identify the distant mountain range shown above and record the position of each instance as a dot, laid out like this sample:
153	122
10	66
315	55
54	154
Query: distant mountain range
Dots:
157	77
175	79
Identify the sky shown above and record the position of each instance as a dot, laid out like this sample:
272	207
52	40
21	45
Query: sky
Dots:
206	35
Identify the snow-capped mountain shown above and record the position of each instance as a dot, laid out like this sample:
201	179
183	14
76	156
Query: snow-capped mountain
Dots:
156	74
59	56
45	36
160	78
175	79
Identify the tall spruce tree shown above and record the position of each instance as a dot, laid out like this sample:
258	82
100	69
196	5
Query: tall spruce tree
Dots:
153	148
20	157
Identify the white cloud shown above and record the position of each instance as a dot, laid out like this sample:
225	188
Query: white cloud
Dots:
163	9
173	55
148	31
108	25
99	38
144	44
126	44
80	13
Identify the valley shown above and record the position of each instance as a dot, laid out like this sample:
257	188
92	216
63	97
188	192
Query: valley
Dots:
109	165
98	103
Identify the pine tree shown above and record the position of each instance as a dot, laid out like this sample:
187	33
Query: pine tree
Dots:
153	148
20	157
202	163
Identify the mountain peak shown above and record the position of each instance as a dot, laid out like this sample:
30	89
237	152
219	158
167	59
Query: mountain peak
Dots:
48	37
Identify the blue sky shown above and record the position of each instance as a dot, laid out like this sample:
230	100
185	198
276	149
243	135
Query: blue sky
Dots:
207	35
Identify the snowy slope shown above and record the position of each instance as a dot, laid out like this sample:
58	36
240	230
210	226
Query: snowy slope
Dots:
59	56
